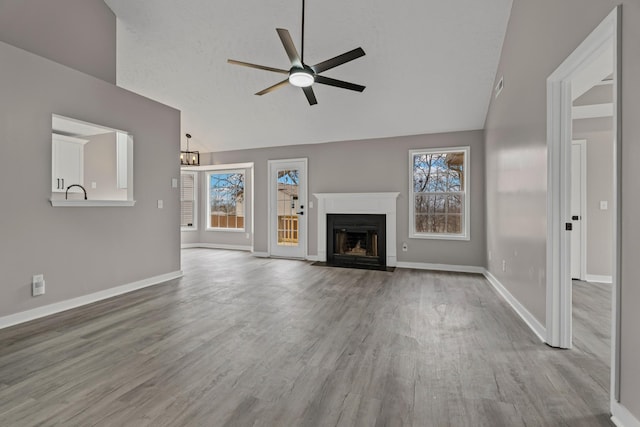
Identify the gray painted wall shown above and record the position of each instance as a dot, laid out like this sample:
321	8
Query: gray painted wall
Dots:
378	165
100	166
80	34
541	34
602	94
79	250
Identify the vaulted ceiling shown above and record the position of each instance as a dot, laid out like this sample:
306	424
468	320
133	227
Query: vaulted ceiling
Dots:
429	66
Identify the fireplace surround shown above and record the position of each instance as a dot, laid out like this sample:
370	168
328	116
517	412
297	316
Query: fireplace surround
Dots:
358	203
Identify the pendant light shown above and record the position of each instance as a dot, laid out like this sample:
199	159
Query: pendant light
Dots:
189	158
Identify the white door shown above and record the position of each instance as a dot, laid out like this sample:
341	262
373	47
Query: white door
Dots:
578	203
288	208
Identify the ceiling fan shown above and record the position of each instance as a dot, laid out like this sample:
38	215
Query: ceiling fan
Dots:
303	75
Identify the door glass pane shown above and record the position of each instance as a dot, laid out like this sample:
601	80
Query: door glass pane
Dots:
287	188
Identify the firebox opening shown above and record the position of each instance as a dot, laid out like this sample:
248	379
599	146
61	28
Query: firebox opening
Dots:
356	240
356	243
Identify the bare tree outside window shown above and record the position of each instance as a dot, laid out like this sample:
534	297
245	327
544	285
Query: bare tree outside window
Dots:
226	200
439	192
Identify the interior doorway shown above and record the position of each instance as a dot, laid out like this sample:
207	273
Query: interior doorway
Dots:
594	61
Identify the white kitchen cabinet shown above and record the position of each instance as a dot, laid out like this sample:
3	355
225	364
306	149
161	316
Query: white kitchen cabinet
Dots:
67	163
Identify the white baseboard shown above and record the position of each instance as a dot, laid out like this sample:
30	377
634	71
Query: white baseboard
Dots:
47	310
621	416
520	309
441	267
216	246
598	279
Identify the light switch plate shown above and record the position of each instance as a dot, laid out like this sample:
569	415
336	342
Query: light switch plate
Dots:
160	204
37	285
174	182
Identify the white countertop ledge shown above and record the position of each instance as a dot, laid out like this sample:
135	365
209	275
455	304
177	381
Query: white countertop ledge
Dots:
91	203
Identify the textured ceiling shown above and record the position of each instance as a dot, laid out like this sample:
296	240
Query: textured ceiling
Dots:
429	66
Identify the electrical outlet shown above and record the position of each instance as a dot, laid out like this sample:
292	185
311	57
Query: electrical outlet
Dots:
504	265
174	182
405	247
94	185
247	235
604	205
160	204
489	255
37	285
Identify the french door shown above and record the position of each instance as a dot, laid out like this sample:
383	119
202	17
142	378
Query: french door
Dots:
288	208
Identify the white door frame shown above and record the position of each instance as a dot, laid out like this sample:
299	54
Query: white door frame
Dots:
305	229
559	136
583	207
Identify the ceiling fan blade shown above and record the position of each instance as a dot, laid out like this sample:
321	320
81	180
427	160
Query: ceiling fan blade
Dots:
259	67
274	87
287	42
311	97
338	60
338	83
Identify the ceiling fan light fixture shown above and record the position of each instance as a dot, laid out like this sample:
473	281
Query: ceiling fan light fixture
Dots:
301	78
302	75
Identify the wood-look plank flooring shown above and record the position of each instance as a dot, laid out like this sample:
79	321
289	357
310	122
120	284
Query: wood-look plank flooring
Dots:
243	341
592	325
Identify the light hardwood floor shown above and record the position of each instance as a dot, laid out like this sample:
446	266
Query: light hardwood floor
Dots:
243	341
592	326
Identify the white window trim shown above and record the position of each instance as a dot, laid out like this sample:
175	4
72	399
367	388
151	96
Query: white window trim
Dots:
195	200
218	171
441	236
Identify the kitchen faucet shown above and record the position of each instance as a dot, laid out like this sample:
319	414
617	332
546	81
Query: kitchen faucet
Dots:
66	194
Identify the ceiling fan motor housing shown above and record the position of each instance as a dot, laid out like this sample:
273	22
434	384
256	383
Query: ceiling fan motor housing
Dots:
301	77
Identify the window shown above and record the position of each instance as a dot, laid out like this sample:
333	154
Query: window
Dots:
288	188
225	201
188	201
439	193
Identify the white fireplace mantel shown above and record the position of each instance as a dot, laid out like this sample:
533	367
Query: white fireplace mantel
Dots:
357	203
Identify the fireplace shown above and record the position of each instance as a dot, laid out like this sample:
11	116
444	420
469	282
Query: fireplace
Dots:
358	203
357	240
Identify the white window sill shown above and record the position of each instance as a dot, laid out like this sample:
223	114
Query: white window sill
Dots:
231	230
91	203
440	236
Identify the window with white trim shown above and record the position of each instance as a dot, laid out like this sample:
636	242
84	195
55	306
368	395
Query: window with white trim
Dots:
439	193
188	201
225	200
